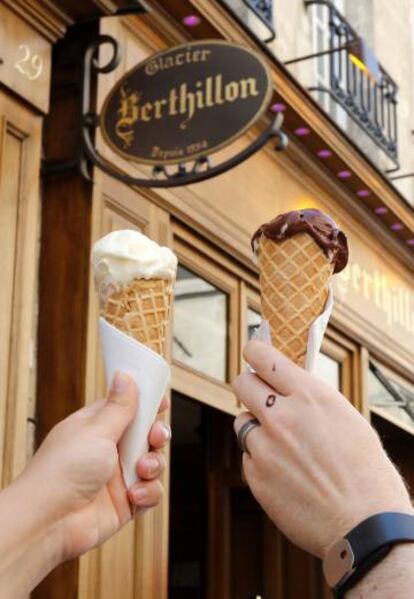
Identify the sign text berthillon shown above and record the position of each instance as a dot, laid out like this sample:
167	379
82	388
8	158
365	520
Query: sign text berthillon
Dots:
186	102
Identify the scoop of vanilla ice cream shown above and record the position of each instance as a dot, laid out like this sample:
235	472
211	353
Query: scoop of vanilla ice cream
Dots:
122	256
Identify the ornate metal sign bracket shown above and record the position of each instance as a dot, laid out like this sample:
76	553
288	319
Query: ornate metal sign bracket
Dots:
162	176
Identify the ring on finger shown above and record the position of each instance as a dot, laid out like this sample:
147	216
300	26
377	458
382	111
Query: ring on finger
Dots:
245	429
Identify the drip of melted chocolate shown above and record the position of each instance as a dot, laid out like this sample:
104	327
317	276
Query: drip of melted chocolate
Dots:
321	227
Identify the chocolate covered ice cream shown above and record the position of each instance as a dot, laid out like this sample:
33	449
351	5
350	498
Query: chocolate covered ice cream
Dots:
320	226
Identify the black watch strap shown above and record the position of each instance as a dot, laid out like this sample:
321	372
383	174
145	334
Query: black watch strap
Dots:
369	542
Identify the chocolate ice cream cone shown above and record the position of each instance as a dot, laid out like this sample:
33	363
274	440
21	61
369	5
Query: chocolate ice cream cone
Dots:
294	285
298	253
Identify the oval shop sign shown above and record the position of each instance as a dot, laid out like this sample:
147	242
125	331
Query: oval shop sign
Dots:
186	102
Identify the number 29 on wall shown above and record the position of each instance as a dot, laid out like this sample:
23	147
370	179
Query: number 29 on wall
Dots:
30	65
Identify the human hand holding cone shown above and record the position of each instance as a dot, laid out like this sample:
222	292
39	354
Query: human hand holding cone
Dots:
135	277
298	253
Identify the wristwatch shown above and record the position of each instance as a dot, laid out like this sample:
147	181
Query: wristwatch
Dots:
368	543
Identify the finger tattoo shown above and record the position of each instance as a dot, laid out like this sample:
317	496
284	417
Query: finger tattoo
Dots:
270	401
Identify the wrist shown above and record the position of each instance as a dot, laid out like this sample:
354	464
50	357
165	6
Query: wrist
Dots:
30	541
353	556
394	576
40	523
357	513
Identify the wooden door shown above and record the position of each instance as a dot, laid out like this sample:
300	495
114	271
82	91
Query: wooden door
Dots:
222	544
248	558
20	138
133	563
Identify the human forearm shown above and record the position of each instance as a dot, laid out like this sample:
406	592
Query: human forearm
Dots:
392	577
29	547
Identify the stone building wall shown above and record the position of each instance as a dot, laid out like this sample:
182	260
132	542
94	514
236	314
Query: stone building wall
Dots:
388	28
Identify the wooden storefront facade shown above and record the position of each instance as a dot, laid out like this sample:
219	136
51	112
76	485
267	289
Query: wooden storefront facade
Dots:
211	540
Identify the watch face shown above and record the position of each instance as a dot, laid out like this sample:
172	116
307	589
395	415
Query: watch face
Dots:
339	563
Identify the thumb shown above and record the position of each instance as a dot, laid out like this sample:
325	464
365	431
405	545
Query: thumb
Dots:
111	421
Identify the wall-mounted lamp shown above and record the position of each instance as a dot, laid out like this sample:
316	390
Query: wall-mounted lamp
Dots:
191	20
302	131
324	153
278	107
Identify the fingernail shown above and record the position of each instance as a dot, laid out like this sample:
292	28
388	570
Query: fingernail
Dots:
152	465
167	431
139	494
120	382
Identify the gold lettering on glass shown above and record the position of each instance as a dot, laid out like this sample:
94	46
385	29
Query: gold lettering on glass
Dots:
394	301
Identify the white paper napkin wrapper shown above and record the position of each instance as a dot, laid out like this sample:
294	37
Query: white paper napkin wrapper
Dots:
316	334
152	376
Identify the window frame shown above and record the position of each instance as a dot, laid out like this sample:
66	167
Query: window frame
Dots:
197	256
389	372
350	358
249	298
322	24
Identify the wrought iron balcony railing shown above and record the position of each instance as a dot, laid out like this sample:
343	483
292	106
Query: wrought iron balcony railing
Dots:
263	9
256	16
371	102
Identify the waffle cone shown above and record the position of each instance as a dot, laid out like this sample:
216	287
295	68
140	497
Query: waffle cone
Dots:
294	285
141	309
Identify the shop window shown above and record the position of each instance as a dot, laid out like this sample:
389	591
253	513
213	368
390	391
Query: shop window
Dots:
389	398
253	321
329	370
200	331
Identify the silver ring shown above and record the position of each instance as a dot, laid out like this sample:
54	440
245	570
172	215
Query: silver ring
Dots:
244	431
